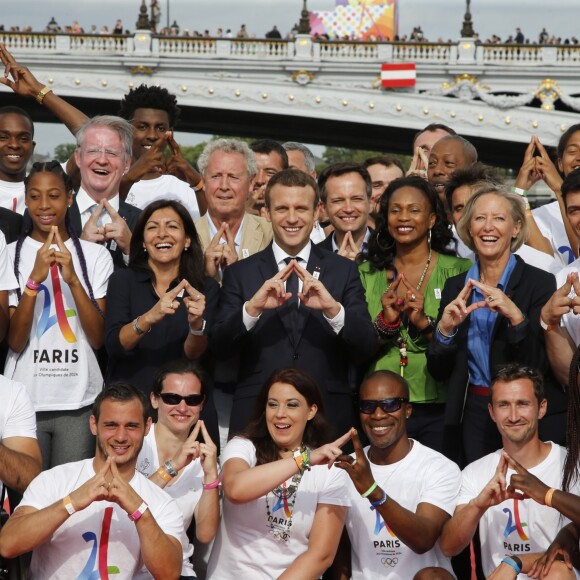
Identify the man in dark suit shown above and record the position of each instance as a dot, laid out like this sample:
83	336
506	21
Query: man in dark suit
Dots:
345	193
293	304
98	214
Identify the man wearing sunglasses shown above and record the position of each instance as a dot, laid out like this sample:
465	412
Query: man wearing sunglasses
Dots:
489	499
410	489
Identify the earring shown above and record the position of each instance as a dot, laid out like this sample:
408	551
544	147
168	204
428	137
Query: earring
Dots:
429	237
144	248
186	248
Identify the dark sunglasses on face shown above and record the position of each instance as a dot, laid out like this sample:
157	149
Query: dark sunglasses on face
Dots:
368	407
175	399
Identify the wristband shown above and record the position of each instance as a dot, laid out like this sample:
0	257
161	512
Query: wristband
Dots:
380	502
200	185
199	332
42	93
520	191
370	490
298	458
68	504
547	327
212	485
30	292
138	330
164	474
30	283
170	469
548	498
510	561
138	512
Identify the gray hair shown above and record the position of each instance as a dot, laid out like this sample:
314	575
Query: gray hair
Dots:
309	160
518	213
228	146
120	126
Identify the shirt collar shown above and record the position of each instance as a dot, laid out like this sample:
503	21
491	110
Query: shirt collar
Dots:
335	247
213	231
280	255
85	201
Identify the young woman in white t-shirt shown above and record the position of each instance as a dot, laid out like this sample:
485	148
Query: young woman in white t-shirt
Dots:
57	319
284	509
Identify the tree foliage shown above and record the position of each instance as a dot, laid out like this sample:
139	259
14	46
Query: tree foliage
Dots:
64	151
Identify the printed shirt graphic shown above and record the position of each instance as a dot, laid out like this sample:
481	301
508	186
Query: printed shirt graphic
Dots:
515	527
549	220
12	196
423	476
58	366
100	541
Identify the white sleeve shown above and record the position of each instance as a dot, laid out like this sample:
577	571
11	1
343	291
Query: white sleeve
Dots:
41	492
335	490
20	416
470	487
102	270
442	491
240	448
7	278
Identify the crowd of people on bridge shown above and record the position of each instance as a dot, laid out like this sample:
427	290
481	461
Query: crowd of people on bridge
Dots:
248	369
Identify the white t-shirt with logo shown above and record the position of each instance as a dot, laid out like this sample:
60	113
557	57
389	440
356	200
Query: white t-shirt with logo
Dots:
143	192
514	526
186	490
570	321
12	196
100	539
7	277
550	223
422	476
58	365
245	546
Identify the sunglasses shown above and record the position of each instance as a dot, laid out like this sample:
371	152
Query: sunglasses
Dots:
175	399
368	407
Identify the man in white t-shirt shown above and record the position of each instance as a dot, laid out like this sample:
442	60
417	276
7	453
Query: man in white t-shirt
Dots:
100	516
410	489
20	459
512	532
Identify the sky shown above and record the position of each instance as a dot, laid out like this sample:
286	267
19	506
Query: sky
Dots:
437	18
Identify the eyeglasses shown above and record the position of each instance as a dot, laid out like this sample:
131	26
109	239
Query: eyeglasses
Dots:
175	399
368	407
97	152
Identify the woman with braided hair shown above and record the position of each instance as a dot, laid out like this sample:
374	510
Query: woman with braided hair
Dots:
57	317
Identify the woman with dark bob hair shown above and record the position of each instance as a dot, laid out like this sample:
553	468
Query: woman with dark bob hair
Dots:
403	272
283	509
159	307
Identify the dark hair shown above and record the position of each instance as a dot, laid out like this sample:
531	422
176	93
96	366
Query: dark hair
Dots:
390	375
122	392
431	128
180	366
146	97
571	473
317	431
563	142
515	371
385	160
55	168
292	178
12	110
571	184
380	251
343	168
191	261
268	146
471	175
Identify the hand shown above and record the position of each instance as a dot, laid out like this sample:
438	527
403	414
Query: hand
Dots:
64	260
560	302
24	83
498	302
524	483
167	305
218	255
195	304
92	232
151	162
555	552
528	174
330	452
496	490
94	489
419	163
457	310
177	165
118	229
189	451
392	303
358	468
45	257
413	304
547	169
314	294
121	492
271	294
208	455
348	249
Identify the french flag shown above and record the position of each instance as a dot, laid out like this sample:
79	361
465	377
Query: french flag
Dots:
399	75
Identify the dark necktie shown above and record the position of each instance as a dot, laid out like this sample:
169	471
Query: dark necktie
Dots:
292	284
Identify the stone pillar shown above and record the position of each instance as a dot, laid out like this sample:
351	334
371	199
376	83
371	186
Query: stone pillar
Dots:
303	47
466	51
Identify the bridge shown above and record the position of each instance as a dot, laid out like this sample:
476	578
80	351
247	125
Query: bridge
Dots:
325	92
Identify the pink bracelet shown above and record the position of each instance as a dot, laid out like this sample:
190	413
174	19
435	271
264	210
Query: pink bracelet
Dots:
212	485
138	512
30	283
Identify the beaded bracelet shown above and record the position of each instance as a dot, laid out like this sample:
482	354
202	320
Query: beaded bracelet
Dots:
385	328
380	502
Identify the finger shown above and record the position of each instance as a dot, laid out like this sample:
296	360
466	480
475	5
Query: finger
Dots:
49	238
59	241
575	284
342	440
543	153
206	436
285	272
158	145
177	290
358	449
111	211
529	154
406	283
106	466
466	290
114	469
195	431
424	158
302	272
514	464
229	236
217	238
175	149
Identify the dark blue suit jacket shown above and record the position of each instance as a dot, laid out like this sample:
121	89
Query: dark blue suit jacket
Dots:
308	343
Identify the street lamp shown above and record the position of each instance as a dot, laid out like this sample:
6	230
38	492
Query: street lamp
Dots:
304	24
467	30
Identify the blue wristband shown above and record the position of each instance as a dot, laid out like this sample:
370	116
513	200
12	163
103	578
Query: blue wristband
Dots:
380	502
507	560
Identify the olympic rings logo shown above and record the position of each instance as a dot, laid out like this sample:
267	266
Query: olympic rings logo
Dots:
389	562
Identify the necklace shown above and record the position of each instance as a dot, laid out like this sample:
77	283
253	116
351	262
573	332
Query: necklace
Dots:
424	273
